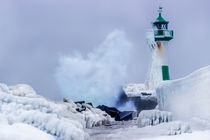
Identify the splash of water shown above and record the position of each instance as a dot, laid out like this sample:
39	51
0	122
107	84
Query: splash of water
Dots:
98	77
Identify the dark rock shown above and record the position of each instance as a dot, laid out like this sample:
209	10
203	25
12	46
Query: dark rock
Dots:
115	113
66	100
80	109
79	102
126	115
90	104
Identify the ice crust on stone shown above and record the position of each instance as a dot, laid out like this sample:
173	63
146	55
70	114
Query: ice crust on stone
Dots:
153	117
22	90
94	116
21	104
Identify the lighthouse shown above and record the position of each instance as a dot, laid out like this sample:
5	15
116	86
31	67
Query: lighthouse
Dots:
157	39
161	35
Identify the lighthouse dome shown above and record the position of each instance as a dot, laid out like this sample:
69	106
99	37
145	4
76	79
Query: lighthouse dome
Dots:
160	19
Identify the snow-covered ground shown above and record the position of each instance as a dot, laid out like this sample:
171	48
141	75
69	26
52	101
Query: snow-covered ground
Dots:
21	131
23	114
198	135
175	130
26	115
187	98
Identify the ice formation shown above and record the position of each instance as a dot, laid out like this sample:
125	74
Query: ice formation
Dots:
153	117
21	104
138	90
158	58
187	97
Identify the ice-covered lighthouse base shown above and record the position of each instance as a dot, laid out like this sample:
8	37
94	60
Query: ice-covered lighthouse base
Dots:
188	96
147	90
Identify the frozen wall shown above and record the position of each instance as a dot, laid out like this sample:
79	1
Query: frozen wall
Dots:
188	96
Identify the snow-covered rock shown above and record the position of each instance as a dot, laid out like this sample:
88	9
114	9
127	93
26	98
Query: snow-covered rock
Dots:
21	104
95	116
153	117
22	90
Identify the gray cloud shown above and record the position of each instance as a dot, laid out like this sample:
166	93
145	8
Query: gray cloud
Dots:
34	33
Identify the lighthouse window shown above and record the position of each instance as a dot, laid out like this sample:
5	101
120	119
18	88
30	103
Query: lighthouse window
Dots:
164	26
159	26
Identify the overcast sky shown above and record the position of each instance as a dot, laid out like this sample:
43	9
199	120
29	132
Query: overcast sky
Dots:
35	33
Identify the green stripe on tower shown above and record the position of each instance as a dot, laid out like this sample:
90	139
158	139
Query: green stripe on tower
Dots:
165	72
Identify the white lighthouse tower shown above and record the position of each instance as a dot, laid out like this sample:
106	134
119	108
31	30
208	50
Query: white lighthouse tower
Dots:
158	39
158	43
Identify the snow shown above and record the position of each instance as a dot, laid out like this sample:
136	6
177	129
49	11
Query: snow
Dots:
20	131
187	97
198	135
27	115
153	117
20	104
124	131
94	116
22	90
138	90
175	128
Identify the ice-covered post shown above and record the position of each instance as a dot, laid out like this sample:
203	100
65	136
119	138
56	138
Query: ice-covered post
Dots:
159	66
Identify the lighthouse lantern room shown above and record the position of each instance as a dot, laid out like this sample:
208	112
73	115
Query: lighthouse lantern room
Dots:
161	31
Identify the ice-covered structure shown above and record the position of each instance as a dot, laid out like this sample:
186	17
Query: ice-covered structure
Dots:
138	90
21	105
157	40
188	96
153	117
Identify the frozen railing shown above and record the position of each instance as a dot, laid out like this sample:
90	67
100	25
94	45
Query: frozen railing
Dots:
166	33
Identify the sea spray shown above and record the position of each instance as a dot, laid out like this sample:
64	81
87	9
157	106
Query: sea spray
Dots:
98	76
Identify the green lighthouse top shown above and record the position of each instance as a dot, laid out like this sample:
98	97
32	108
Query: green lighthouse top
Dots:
160	19
161	32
